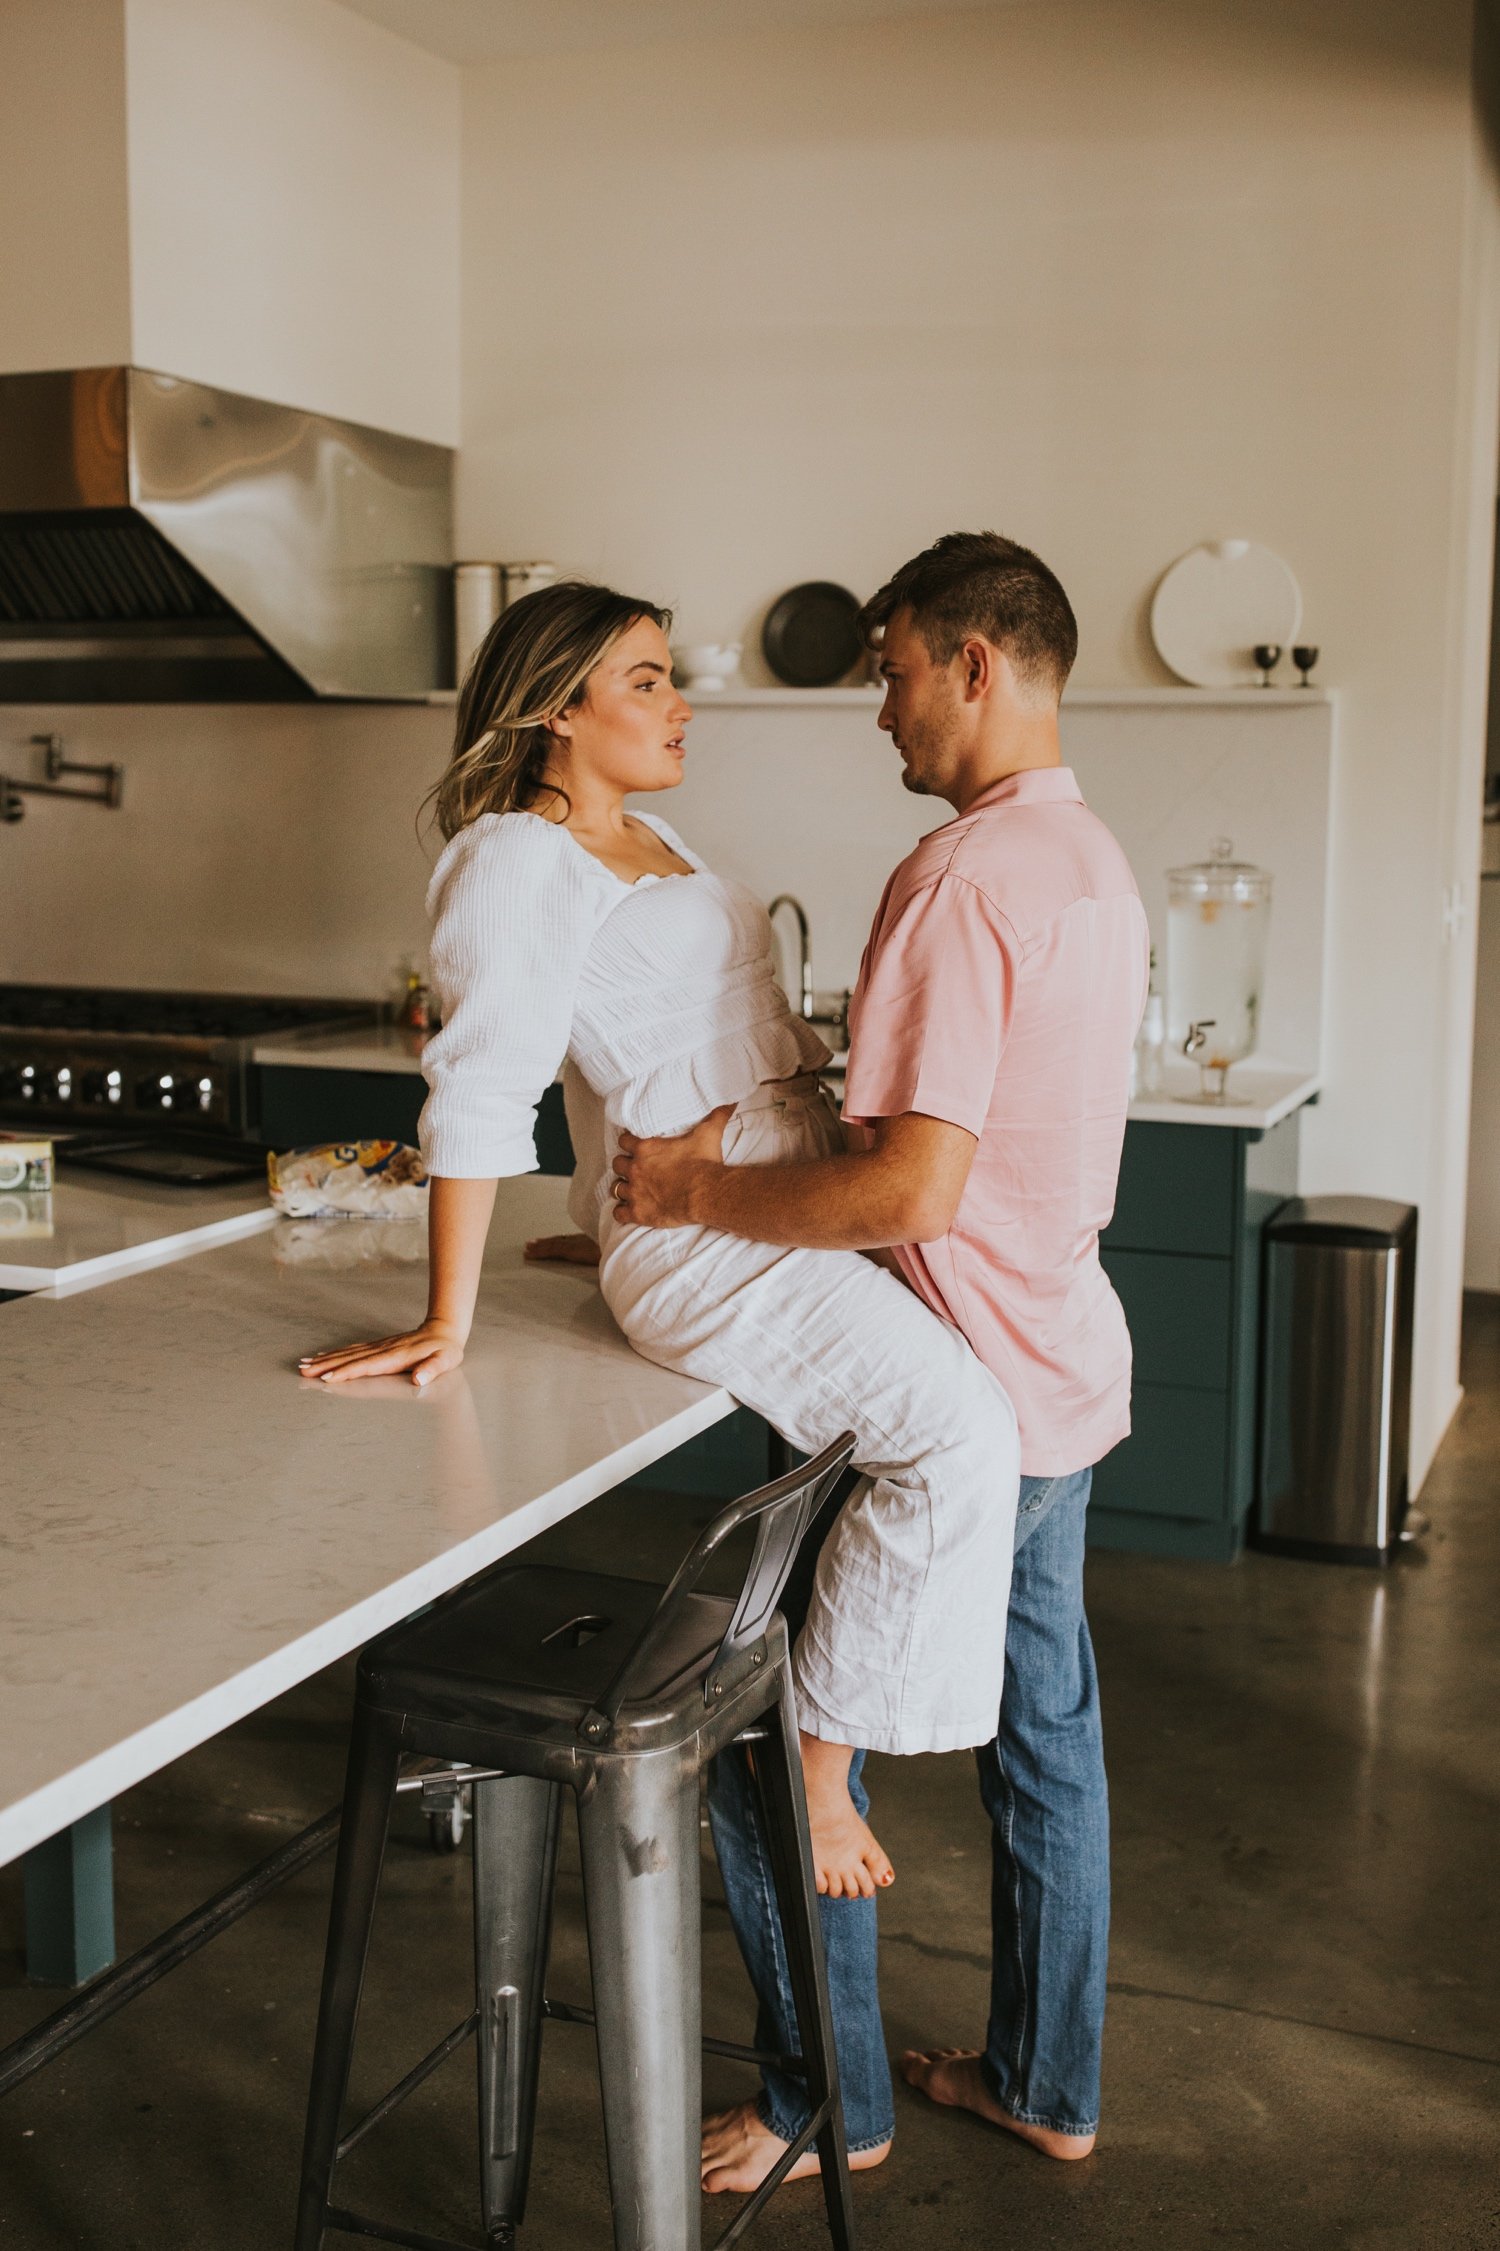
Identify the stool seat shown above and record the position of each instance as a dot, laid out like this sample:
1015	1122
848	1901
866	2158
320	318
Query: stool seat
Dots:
537	1644
537	1680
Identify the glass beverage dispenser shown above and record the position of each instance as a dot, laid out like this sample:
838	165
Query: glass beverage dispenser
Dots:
1218	915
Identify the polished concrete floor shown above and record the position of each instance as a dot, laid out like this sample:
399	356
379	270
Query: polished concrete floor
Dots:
1304	2036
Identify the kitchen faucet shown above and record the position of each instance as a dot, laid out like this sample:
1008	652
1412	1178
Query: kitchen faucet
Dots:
833	1015
804	947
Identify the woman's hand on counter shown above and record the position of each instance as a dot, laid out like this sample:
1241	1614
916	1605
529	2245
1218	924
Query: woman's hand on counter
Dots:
566	1250
426	1352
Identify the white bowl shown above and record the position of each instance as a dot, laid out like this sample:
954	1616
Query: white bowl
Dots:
706	665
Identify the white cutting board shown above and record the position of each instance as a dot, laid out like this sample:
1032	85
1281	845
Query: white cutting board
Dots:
1213	606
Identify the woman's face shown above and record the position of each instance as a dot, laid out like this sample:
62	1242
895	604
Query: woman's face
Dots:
628	732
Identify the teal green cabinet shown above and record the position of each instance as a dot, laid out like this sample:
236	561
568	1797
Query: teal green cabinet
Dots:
729	1458
297	1106
1180	1314
1184	1253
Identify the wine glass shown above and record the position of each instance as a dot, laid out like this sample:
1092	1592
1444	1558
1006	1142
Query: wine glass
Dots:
1267	655
1304	659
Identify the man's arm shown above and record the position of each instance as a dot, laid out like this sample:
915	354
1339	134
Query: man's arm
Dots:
904	1189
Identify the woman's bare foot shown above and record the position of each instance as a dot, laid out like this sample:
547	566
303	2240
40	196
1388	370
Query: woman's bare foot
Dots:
567	1250
847	1859
739	2151
952	2075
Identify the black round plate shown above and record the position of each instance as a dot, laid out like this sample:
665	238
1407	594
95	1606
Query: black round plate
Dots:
811	636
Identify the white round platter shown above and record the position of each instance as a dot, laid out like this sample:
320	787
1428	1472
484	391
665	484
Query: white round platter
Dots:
1213	606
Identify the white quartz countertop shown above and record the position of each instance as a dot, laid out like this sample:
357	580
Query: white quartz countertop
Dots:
96	1227
189	1528
372	1047
1260	1096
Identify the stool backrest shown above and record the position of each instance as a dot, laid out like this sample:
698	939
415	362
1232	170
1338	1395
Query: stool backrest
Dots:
781	1512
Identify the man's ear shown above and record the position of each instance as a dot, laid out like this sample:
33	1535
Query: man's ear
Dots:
979	668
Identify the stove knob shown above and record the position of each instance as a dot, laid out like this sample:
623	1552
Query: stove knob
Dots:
101	1088
12	1085
162	1091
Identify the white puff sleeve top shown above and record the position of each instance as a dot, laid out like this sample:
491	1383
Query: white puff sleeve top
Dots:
660	996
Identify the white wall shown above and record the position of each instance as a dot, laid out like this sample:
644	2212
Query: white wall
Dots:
1482	1253
1482	1244
64	246
810	801
294	216
1114	277
258	850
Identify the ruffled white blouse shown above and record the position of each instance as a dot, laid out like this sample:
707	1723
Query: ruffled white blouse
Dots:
658	998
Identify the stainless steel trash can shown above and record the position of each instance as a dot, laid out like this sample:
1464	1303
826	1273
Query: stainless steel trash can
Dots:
1340	1287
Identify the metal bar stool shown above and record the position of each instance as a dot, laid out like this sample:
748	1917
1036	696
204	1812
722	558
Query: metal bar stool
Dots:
532	1678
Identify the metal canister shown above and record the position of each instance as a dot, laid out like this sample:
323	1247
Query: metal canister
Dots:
525	578
478	597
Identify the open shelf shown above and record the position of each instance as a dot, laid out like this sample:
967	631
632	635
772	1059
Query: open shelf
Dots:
1076	699
1166	699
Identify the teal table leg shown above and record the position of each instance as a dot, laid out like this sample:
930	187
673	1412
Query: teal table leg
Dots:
70	1903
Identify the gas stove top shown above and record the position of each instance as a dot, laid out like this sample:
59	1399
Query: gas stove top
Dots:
152	1015
104	1058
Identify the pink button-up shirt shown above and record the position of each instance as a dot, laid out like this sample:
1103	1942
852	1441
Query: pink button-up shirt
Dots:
1001	990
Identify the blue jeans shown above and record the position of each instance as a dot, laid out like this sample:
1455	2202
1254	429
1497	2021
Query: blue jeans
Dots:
1042	1782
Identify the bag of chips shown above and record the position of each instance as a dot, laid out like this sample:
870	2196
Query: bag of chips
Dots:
349	1180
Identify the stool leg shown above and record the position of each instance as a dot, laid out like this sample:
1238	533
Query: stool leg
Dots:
778	1774
374	1756
515	1860
639	1833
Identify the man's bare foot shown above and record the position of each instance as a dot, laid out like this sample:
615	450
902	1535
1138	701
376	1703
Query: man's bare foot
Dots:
739	2151
952	2075
847	1859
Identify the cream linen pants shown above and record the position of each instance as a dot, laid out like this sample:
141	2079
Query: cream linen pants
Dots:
904	1646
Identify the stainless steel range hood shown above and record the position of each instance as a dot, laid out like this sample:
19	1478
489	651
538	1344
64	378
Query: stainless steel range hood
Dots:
163	542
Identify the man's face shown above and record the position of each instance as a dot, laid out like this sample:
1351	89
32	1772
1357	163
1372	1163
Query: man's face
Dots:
923	709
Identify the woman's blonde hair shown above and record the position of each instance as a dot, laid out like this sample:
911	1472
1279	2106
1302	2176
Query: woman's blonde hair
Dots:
533	663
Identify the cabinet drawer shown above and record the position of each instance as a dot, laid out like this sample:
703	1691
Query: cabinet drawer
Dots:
1179	1314
1177	1190
1175	1461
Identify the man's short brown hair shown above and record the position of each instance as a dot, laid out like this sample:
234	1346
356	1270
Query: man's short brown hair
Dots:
977	583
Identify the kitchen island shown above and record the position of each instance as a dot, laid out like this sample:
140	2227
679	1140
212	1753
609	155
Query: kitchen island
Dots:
191	1528
96	1227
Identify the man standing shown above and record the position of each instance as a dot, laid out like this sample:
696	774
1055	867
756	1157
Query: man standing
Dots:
990	1036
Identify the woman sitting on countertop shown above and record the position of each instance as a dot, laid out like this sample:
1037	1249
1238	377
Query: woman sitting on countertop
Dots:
570	932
